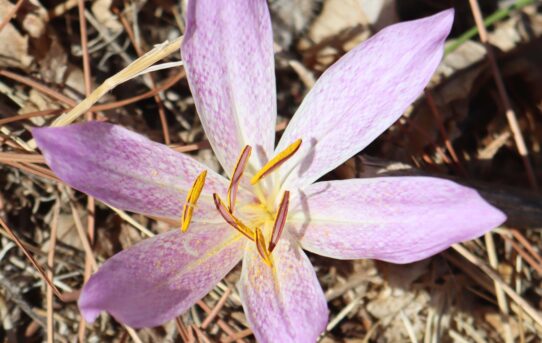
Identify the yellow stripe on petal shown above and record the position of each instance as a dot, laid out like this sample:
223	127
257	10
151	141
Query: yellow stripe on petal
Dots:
262	249
191	199
276	161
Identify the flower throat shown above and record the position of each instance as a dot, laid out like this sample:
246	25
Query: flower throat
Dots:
227	210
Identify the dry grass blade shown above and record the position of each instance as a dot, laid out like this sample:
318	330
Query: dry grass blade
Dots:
501	297
157	99
142	63
531	311
82	235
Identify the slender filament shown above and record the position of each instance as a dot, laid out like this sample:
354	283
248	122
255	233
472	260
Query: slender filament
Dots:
191	199
262	249
276	161
238	171
280	221
232	220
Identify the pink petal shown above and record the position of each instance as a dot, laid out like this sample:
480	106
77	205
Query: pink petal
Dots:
395	219
284	305
124	169
362	94
228	54
162	277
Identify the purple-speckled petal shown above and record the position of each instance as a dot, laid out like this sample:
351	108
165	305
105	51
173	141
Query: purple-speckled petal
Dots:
361	95
125	169
228	55
161	277
286	305
395	219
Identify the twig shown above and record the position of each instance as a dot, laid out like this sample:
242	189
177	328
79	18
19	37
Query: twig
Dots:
157	98
186	333
10	14
438	118
101	107
38	86
537	267
50	265
490	20
517	235
225	327
510	113
30	257
211	316
241	334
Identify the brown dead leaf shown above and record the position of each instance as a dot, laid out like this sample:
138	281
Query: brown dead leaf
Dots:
341	26
13	44
104	16
496	321
380	13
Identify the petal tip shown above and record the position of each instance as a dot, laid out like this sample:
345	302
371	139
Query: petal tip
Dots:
87	309
495	216
445	20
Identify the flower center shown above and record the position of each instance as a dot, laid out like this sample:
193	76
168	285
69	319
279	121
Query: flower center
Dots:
259	214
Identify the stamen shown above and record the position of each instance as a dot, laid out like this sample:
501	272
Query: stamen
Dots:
262	250
280	221
238	171
230	219
191	199
276	161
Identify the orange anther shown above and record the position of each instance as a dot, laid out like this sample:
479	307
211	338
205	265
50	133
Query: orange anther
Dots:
191	199
276	161
262	250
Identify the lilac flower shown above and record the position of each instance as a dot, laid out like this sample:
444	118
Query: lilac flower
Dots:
228	56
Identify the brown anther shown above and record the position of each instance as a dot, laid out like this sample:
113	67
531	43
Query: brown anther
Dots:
232	220
238	171
280	221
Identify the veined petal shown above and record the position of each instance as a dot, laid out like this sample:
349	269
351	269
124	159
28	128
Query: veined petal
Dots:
284	303
361	95
395	219
125	169
161	277
228	55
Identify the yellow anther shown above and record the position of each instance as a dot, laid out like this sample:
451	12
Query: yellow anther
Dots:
276	161
191	199
280	221
232	220
238	171
262	249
